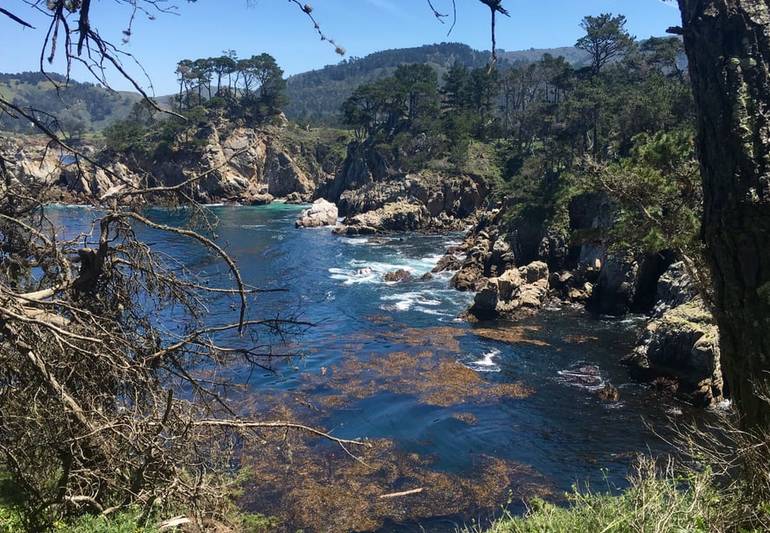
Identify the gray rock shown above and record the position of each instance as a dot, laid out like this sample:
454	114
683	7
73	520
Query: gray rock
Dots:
397	276
321	213
514	294
683	344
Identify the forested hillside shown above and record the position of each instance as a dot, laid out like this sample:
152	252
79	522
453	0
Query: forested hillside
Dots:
77	107
316	96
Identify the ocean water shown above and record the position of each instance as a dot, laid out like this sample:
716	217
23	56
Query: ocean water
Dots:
393	363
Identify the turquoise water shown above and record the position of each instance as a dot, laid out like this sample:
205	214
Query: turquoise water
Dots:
559	430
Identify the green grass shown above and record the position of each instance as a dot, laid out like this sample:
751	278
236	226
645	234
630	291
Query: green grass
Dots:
653	503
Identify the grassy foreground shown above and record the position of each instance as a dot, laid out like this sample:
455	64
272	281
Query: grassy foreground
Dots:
653	503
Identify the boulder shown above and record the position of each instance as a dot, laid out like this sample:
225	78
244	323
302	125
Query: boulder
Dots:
516	293
683	344
294	198
396	216
321	213
257	199
397	276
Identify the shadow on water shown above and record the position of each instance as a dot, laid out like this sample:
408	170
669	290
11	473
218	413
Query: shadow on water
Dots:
477	416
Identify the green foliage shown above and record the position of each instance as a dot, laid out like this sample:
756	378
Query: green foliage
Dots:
316	96
655	502
658	193
75	109
251	88
257	523
126	522
606	38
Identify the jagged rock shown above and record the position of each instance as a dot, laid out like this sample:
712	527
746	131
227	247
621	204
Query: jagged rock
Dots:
396	216
469	277
321	213
614	291
675	287
256	195
399	275
449	262
683	344
426	277
517	292
352	231
257	199
445	201
294	198
283	175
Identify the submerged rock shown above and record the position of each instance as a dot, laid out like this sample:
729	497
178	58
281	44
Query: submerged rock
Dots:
321	213
609	393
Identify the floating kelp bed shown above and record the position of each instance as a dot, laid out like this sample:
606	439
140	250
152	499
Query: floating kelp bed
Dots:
318	486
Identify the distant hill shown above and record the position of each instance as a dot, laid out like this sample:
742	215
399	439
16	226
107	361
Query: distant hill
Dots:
316	96
79	107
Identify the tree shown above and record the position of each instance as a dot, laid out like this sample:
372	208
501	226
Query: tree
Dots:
664	53
728	48
606	39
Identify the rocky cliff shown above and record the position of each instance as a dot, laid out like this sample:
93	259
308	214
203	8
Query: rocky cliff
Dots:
517	266
234	163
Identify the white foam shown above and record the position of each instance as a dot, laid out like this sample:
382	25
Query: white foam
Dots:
405	301
352	277
486	363
357	241
584	376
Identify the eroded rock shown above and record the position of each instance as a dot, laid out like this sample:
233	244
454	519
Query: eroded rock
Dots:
683	344
517	292
321	213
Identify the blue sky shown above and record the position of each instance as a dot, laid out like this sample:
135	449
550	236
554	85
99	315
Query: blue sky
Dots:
207	27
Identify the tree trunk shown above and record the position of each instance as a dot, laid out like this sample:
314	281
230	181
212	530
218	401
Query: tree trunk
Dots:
728	47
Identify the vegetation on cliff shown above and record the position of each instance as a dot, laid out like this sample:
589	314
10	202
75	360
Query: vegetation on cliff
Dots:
621	127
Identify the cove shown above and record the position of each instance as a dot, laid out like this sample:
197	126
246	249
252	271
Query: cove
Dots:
478	416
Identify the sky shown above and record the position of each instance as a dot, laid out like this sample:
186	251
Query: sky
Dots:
207	27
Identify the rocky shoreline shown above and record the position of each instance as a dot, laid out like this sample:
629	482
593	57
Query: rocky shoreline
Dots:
515	268
678	349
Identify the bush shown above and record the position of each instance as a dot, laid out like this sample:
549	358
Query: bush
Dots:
654	502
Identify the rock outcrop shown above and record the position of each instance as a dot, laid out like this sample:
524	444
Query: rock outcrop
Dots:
397	276
516	293
396	216
321	213
683	344
374	197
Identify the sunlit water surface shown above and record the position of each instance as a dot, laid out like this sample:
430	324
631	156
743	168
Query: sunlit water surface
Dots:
392	361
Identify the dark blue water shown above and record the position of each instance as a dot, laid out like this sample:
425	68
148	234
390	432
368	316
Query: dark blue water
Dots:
424	400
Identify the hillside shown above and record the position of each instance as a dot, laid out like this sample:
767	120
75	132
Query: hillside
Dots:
317	95
314	96
79	107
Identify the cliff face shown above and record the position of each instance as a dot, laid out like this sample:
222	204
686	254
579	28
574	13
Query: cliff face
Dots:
247	165
252	166
236	164
374	197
